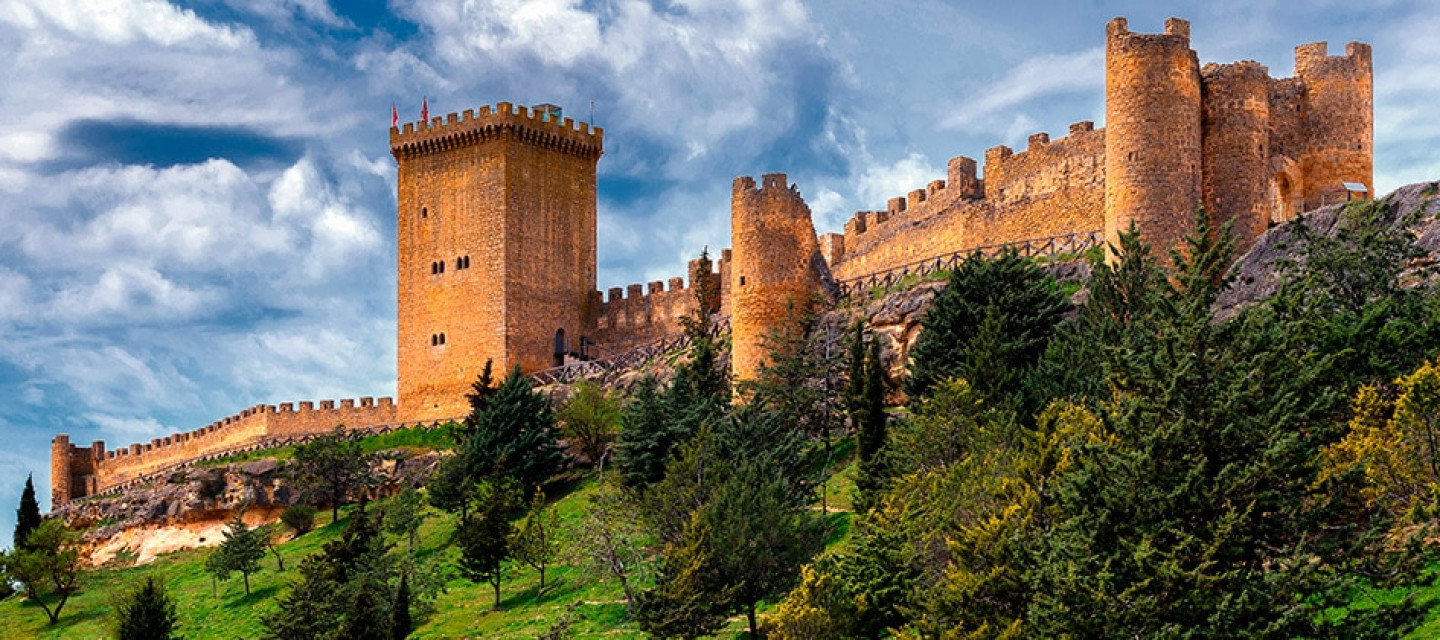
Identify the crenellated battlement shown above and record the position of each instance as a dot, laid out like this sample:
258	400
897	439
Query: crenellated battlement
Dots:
537	127
1313	58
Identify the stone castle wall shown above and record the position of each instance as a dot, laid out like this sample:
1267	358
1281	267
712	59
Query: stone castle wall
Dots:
80	471
1050	188
1254	150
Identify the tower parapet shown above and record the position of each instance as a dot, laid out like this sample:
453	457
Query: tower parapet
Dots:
539	127
1152	133
1338	120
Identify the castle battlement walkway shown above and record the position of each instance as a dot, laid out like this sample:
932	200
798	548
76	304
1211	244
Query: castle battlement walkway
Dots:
1048	246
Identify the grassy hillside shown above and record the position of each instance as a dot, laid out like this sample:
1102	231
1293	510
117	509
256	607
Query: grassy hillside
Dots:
464	610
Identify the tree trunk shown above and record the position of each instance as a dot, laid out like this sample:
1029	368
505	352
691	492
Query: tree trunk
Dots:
750	615
542	578
247	582
335	512
496	583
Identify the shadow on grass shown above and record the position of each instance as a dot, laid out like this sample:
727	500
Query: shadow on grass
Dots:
838	525
70	618
258	594
554	590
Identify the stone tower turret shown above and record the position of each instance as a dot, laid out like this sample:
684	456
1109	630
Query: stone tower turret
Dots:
496	242
1237	148
1152	133
60	470
1338	118
775	266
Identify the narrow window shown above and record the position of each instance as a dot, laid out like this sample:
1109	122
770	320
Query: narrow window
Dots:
742	281
434	340
424	212
442	338
442	267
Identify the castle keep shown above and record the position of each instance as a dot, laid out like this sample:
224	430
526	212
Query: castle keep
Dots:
496	227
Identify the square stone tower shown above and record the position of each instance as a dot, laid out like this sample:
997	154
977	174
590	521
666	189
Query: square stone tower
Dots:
496	243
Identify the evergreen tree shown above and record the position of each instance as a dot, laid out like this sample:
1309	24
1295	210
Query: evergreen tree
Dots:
990	325
27	517
515	435
332	468
758	537
451	488
145	612
400	623
354	568
872	422
484	537
647	436
481	392
403	515
241	550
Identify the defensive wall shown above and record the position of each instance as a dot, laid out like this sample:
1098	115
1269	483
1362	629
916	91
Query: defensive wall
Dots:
639	314
1254	150
77	471
1049	188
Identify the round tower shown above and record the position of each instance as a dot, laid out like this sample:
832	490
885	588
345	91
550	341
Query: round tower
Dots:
1152	133
1338	121
59	470
776	267
1237	148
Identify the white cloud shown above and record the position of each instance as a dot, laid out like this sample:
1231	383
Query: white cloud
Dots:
878	183
1000	106
281	11
121	22
694	77
117	427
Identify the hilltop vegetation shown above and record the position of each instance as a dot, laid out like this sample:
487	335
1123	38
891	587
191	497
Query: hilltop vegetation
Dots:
1135	467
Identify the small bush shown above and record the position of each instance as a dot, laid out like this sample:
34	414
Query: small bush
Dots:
300	518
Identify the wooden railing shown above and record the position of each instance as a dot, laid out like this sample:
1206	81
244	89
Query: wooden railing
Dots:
622	361
1077	242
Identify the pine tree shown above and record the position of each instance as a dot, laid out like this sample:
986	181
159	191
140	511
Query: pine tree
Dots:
481	392
145	612
872	431
242	550
514	435
1023	305
331	583
27	517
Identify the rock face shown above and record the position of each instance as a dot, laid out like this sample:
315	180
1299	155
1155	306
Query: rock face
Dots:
1257	276
197	498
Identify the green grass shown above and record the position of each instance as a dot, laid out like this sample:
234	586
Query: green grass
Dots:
464	610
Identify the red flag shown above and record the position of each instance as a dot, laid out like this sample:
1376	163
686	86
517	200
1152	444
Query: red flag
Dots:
425	110
394	116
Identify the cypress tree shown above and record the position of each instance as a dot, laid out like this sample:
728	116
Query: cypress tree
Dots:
27	517
400	623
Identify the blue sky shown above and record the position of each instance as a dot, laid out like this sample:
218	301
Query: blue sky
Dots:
197	199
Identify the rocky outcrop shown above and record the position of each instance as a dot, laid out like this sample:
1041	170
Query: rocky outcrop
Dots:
197	499
1257	274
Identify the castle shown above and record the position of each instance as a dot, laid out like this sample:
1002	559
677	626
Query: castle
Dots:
497	227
